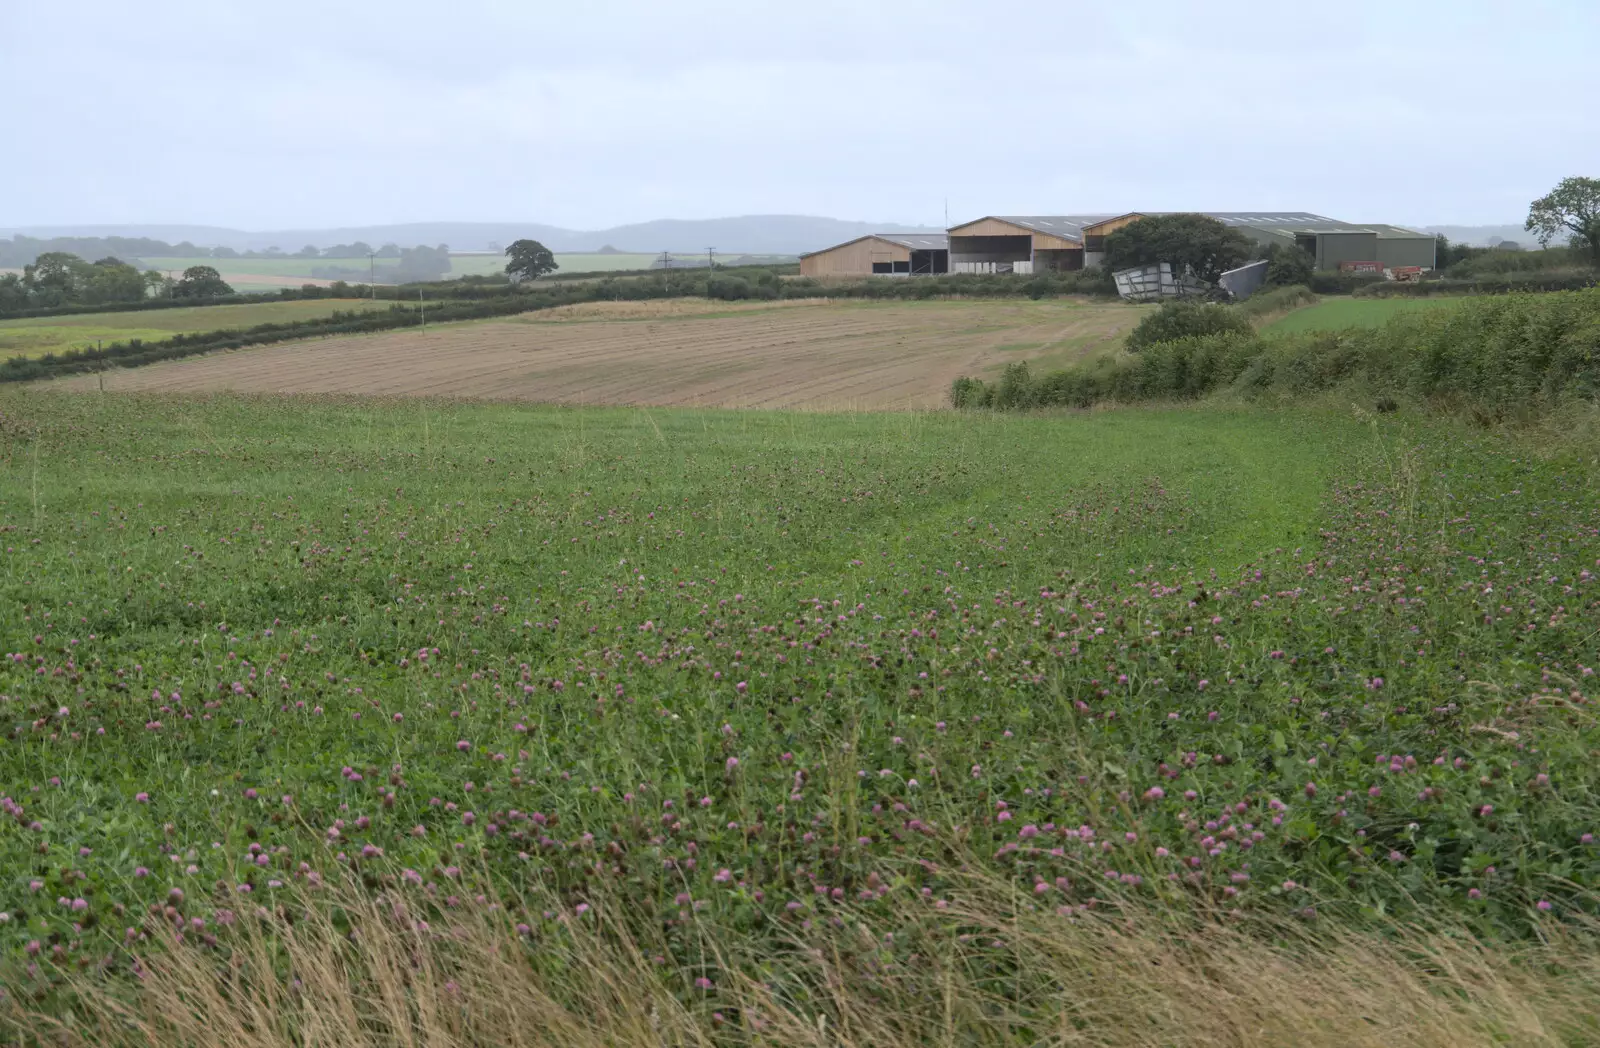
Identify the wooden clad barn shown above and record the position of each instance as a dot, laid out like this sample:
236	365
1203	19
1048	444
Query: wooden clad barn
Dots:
1019	243
881	254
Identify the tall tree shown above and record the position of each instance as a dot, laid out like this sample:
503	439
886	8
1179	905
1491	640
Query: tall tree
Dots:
56	278
158	284
530	260
113	280
424	263
1288	265
1573	206
1203	243
13	293
201	282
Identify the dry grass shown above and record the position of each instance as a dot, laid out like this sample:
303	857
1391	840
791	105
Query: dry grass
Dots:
992	971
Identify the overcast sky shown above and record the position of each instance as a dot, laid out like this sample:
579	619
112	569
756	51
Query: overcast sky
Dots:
592	113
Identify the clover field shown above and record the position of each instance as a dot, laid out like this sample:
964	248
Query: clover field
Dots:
734	672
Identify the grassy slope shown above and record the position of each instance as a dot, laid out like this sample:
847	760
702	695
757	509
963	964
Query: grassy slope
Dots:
1332	314
38	336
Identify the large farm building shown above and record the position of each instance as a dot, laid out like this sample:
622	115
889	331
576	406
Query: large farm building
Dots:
1039	243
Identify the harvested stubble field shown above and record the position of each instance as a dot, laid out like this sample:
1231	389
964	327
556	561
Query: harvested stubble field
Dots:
813	355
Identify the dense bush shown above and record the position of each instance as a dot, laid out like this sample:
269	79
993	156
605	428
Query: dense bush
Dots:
1498	357
1184	319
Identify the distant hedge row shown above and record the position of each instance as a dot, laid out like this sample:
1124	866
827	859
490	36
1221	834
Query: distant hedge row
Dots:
1537	280
288	294
136	352
1497	356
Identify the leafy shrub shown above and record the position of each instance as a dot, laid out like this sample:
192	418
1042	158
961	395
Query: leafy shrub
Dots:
1183	319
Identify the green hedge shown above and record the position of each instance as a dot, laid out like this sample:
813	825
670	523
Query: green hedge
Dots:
136	352
1542	280
1499	355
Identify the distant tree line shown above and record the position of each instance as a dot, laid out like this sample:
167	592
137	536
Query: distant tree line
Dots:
58	279
411	264
19	251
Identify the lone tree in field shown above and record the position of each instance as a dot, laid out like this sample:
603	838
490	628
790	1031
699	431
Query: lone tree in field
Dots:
1572	207
201	282
1203	243
530	260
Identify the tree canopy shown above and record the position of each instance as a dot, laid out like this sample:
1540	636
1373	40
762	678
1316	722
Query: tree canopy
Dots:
1204	244
201	282
530	260
60	278
424	263
1289	265
1572	207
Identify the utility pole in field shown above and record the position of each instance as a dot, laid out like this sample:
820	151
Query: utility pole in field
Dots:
711	258
372	273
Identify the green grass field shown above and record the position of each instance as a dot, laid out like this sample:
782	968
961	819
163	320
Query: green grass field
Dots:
730	680
33	337
1333	314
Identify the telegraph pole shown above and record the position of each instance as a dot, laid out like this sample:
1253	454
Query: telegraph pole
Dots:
372	274
711	258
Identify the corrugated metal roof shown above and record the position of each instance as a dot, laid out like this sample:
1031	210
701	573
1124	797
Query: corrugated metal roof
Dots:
917	241
1068	227
1273	219
1388	232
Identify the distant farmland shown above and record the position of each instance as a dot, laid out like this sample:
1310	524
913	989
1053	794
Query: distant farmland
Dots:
267	274
35	337
815	355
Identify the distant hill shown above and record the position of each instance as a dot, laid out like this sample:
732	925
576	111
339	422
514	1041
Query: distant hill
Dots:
1479	236
747	234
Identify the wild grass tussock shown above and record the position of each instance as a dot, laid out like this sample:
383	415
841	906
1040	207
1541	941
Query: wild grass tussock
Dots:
992	970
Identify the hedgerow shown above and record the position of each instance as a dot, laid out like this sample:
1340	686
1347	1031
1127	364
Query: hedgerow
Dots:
1541	280
1497	356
